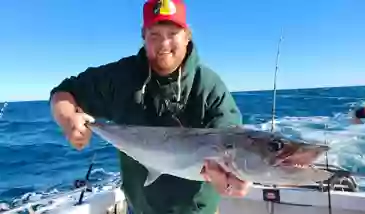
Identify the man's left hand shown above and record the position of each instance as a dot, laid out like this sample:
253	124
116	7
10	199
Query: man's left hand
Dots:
224	182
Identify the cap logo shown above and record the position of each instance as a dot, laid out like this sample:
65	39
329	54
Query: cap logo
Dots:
164	7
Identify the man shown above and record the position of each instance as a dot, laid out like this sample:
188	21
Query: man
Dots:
359	114
165	84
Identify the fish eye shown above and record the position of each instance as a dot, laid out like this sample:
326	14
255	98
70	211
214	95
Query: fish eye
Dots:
275	146
229	146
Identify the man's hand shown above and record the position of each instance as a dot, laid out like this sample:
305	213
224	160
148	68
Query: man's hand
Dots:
224	182
71	119
77	132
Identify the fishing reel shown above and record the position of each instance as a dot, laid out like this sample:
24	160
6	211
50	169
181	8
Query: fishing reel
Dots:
85	182
342	180
79	183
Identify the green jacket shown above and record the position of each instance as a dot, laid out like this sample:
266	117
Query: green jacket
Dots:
127	93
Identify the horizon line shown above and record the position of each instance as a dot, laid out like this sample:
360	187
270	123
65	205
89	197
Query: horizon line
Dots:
232	91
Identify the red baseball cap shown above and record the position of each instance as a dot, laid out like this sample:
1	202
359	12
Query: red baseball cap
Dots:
164	10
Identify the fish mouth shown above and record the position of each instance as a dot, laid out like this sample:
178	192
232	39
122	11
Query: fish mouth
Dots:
299	155
294	166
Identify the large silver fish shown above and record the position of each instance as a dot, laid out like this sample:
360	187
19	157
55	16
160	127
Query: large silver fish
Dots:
251	155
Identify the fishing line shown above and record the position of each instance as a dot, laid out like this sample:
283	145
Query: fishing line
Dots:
329	179
270	206
271	209
274	88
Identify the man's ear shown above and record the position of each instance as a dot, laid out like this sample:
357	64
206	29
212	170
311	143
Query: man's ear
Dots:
189	34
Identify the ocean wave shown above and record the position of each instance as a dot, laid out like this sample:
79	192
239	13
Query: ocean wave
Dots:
27	127
19	196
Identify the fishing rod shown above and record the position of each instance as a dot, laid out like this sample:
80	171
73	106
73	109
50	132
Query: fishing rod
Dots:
86	182
82	186
335	171
274	88
273	109
51	199
328	181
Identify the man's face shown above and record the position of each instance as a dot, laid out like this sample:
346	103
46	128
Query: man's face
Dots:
165	44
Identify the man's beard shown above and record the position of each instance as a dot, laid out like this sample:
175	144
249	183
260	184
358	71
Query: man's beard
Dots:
164	66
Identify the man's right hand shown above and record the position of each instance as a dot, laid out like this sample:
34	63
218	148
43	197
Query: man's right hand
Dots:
76	131
71	119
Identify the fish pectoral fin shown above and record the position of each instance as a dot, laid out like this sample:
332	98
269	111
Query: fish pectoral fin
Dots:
152	176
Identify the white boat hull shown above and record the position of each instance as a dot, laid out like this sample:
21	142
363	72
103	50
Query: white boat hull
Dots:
296	201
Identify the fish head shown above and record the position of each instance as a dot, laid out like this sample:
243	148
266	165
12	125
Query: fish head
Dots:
264	156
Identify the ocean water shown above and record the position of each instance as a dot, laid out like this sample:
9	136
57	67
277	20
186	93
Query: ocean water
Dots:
36	159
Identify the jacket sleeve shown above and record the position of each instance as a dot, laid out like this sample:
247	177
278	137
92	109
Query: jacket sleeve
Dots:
222	110
91	89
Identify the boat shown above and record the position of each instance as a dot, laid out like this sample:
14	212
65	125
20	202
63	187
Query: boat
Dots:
264	200
340	196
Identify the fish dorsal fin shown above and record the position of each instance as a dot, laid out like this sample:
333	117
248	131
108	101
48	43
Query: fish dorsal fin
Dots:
152	176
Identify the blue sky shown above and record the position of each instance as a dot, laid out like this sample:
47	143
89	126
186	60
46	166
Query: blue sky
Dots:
42	41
